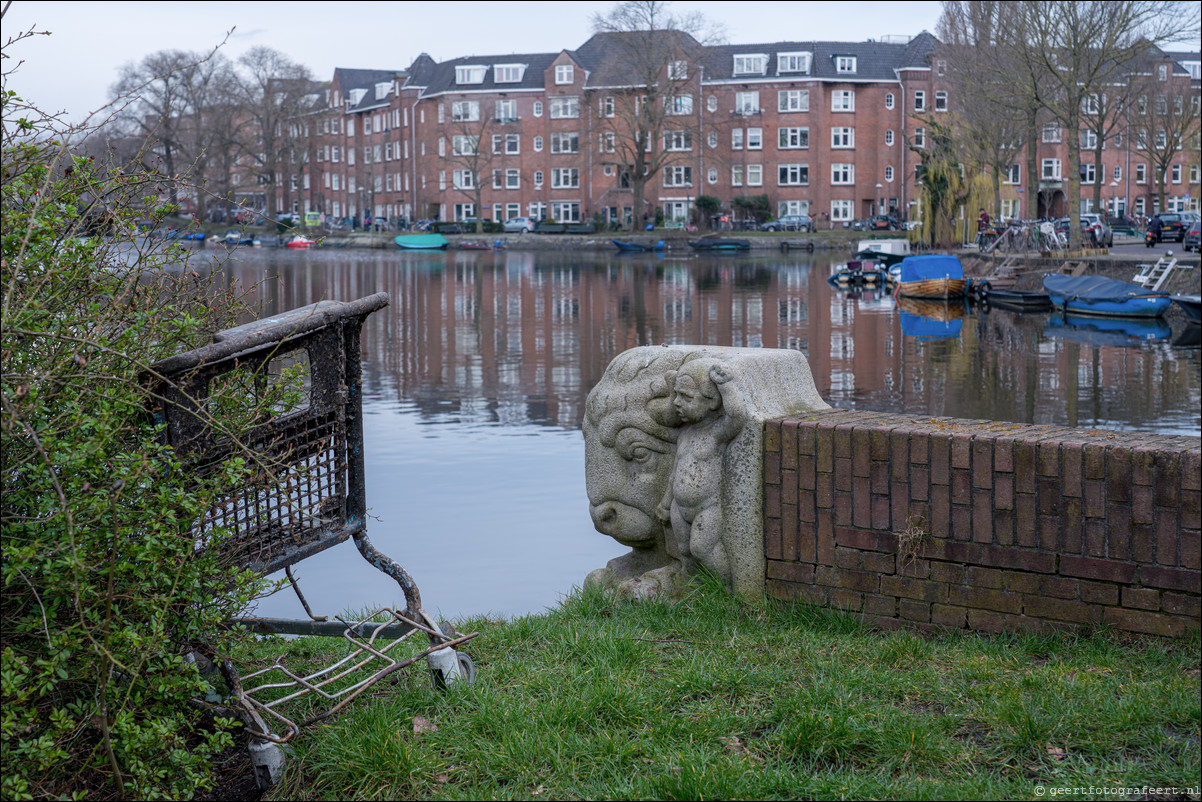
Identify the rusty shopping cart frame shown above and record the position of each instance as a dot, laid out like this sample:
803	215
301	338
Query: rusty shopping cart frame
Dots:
307	491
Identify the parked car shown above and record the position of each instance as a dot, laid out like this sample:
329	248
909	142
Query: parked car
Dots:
1190	243
1173	226
519	225
790	222
1103	234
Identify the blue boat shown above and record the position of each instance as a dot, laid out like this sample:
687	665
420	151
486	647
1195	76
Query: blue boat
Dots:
624	245
1105	297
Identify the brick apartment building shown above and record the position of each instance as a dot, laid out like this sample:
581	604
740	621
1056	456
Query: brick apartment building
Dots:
820	128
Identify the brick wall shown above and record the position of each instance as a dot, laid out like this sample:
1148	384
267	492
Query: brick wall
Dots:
983	525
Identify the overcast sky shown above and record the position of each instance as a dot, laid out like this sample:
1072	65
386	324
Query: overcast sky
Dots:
73	68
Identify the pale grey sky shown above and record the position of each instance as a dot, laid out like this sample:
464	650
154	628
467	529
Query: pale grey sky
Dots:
72	69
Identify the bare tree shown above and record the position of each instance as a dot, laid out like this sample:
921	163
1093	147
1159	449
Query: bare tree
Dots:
476	145
1084	46
272	91
159	109
650	121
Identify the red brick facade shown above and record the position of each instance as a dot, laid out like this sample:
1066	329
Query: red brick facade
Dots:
820	128
1010	526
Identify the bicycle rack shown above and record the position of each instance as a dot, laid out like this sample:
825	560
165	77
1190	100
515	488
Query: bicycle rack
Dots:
307	495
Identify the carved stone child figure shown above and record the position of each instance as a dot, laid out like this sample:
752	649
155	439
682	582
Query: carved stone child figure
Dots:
692	503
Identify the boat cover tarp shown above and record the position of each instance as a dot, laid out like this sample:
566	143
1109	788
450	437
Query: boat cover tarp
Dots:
1094	289
929	266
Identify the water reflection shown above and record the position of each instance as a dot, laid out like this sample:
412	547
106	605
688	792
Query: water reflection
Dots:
476	375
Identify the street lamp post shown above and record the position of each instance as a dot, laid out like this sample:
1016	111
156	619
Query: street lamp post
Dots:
879	187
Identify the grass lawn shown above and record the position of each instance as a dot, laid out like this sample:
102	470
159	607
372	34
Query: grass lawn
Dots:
714	698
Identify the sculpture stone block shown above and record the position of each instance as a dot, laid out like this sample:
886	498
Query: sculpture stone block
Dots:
673	461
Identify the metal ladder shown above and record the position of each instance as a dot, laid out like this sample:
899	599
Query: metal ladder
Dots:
1153	277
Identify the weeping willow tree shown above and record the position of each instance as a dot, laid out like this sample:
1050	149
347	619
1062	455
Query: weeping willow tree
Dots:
944	189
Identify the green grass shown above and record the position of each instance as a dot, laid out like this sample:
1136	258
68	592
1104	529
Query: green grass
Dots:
714	698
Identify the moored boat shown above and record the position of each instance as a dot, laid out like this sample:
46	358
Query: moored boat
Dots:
480	245
858	273
298	242
1191	305
1106	297
720	244
932	276
887	252
421	242
626	245
1014	300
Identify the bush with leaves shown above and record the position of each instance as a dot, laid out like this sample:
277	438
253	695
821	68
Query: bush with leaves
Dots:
104	591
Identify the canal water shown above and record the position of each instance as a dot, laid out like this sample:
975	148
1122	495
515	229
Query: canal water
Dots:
476	375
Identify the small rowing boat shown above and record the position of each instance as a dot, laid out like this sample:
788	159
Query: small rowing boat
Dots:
421	242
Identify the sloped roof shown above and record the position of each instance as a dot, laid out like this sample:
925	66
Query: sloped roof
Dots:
440	77
875	61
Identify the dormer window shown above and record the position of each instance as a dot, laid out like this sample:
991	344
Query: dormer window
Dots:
354	96
564	74
751	64
845	65
508	73
382	89
787	63
470	74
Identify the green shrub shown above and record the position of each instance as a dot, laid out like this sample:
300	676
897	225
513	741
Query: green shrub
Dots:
104	590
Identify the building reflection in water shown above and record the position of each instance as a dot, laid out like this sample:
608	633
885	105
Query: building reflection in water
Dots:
520	337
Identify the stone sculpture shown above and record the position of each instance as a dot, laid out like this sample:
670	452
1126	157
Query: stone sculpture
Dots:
673	461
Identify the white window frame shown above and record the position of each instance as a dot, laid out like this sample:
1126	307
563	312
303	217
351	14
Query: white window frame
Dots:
841	211
755	175
565	178
565	142
843	138
750	64
462	111
747	103
755	138
843	100
793	138
889	100
508	73
506	111
564	74
1049	170
678	70
920	100
565	108
796	62
845	65
470	74
843	174
792	100
793	175
940	100
678	175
